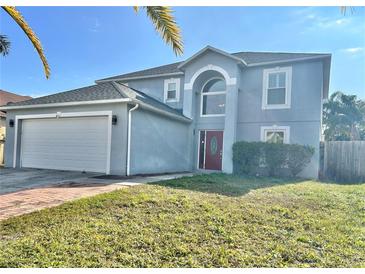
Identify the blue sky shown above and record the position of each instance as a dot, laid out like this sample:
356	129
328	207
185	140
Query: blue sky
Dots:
83	44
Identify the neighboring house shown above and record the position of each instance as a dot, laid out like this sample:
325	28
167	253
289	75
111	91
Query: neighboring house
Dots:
5	98
178	117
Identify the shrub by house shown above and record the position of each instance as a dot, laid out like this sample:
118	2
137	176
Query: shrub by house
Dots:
270	159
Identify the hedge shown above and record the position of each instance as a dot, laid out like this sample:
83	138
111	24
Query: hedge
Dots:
269	159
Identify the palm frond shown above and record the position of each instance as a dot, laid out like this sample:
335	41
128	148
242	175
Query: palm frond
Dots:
344	9
4	45
18	18
165	24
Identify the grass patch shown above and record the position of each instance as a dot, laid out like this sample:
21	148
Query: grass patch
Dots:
202	221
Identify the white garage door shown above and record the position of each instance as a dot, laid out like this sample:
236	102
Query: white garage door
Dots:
65	143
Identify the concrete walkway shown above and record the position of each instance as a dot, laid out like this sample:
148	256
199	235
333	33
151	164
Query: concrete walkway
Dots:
29	200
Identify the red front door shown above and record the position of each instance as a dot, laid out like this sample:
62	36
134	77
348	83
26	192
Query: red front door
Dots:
213	150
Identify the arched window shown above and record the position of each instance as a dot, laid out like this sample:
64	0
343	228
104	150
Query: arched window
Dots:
213	98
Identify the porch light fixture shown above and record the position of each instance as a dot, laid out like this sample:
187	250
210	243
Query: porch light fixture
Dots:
114	119
11	123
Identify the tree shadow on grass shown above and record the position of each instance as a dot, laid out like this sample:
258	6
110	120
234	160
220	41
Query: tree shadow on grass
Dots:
341	182
222	184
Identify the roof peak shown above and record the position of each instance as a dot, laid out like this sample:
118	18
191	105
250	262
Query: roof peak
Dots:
280	52
249	58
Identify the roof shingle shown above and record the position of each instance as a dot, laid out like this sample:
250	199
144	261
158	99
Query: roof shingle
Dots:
103	91
249	57
263	57
170	68
144	98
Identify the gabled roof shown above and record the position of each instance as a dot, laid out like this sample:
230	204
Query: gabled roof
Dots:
102	91
144	98
210	48
260	58
170	69
8	97
107	92
246	58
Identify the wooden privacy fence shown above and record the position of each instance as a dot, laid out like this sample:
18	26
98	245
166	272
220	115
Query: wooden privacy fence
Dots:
344	161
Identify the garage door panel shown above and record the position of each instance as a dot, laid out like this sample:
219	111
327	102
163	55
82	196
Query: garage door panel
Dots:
61	165
64	156
65	143
70	142
83	152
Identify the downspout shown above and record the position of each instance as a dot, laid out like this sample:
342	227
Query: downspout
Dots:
129	138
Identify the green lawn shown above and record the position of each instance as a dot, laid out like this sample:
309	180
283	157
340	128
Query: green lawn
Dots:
203	221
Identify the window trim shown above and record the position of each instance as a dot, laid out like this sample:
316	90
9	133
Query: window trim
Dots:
288	83
175	81
202	94
285	129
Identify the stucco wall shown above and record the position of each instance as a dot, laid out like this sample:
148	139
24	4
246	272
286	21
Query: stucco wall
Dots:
119	132
154	87
213	64
158	144
303	118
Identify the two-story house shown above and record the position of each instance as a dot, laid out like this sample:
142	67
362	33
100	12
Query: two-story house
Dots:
183	116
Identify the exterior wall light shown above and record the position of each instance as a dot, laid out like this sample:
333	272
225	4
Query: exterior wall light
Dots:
114	119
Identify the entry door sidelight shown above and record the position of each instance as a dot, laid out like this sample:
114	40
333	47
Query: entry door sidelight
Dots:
210	151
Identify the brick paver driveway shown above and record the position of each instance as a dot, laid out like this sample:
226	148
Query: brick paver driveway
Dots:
29	200
27	190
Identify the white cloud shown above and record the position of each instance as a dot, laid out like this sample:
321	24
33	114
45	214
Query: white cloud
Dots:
326	23
315	20
353	50
311	16
341	21
95	27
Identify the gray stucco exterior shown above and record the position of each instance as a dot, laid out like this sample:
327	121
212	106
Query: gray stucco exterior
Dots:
303	117
155	88
244	115
158	145
161	143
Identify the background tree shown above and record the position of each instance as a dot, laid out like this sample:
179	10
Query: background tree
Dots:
344	118
162	18
4	45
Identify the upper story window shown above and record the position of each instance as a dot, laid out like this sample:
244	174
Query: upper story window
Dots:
277	88
172	90
213	98
275	134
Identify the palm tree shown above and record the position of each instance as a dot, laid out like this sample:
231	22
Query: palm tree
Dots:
344	117
165	24
344	9
4	45
18	18
161	17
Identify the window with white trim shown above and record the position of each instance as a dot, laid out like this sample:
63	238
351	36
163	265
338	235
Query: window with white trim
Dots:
277	88
213	98
172	90
275	134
